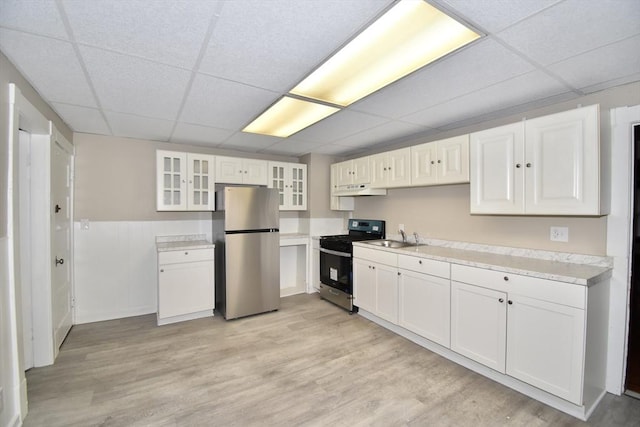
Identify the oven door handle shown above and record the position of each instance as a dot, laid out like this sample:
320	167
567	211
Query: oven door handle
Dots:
342	254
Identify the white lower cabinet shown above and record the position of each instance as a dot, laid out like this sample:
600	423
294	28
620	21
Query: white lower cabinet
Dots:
375	282
531	329
185	285
545	346
425	298
478	324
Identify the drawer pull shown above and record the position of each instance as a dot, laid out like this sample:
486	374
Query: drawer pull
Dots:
501	300
506	278
509	302
161	270
420	262
186	253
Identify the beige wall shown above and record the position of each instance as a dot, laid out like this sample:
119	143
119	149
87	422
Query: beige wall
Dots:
115	178
9	74
443	211
319	174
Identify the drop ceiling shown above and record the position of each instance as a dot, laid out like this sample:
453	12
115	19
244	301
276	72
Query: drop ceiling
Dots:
198	71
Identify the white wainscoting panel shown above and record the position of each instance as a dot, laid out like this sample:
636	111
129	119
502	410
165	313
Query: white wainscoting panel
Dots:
116	263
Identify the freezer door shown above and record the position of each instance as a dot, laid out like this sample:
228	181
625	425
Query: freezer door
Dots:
252	262
251	208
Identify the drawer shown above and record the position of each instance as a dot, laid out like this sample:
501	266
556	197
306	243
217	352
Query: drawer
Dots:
185	255
375	255
425	265
532	287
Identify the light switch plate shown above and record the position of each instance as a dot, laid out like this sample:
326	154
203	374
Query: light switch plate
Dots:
559	234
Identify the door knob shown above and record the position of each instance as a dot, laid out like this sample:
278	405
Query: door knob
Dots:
58	208
59	261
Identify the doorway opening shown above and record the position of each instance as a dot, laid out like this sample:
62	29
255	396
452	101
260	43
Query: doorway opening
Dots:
632	384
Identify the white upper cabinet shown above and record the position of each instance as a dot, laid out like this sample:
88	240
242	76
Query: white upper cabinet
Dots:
291	181
184	181
391	169
235	170
545	166
353	172
440	162
345	203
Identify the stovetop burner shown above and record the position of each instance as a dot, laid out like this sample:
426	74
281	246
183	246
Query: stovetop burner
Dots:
359	230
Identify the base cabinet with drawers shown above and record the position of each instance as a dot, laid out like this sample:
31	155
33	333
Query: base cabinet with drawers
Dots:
547	335
185	285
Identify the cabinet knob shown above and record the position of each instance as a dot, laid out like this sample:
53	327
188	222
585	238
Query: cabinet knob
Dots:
161	270
432	162
518	165
439	161
420	262
506	278
389	167
398	273
58	208
373	267
501	300
59	261
528	165
186	253
509	302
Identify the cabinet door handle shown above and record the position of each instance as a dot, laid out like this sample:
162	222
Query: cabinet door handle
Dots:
398	273
420	262
501	300
58	208
432	162
518	165
506	278
528	165
509	302
439	161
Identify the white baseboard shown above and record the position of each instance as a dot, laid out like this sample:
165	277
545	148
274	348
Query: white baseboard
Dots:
90	317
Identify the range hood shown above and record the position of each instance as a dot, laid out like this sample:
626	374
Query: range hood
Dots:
359	190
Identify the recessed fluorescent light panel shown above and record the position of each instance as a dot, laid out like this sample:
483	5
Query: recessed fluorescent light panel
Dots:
409	36
288	116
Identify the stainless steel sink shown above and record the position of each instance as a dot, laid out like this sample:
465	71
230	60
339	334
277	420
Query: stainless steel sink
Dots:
388	243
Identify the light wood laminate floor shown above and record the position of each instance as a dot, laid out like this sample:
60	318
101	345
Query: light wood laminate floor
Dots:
308	364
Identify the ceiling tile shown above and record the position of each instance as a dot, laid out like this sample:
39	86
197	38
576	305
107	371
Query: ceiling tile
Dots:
185	132
339	125
600	65
126	84
51	66
519	90
39	17
224	104
386	132
495	15
82	119
249	142
332	149
130	126
274	44
291	147
171	32
573	27
481	64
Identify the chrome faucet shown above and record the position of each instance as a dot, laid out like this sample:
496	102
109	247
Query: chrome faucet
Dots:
415	234
404	236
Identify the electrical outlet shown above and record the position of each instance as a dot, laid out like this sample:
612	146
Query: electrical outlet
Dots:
559	234
400	227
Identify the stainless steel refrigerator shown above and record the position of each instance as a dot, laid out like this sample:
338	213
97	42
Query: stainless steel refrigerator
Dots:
246	232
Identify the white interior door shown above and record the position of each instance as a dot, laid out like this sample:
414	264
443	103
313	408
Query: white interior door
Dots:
61	291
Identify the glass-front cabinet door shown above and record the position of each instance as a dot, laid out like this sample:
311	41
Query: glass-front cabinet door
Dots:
290	179
171	169
185	181
201	182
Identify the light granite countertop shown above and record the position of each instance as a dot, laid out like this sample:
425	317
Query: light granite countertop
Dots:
181	242
570	272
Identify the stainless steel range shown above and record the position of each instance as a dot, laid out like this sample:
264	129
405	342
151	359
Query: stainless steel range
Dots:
336	260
